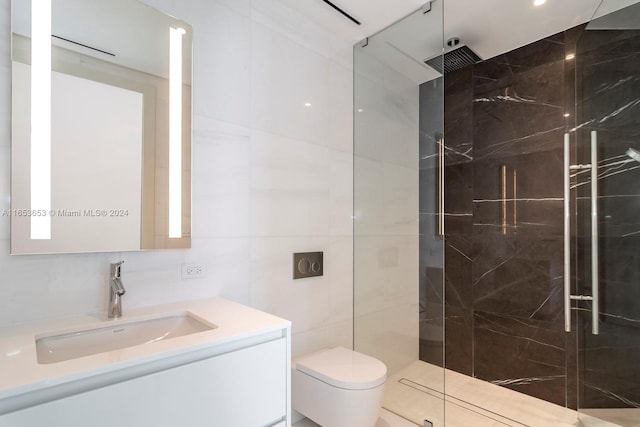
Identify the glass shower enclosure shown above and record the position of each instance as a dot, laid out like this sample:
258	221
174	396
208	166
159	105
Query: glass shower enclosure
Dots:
398	245
606	227
535	274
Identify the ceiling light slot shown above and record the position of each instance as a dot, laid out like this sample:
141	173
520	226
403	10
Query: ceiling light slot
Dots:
342	12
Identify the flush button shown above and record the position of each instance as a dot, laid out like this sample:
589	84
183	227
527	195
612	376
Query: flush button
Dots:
307	264
304	266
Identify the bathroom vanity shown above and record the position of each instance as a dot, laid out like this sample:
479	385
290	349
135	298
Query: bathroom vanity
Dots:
202	363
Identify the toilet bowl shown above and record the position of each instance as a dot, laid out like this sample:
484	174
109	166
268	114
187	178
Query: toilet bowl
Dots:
338	387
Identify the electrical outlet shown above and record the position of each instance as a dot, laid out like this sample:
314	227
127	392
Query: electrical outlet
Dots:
191	271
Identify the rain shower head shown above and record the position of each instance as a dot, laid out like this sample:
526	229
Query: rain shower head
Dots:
460	57
634	154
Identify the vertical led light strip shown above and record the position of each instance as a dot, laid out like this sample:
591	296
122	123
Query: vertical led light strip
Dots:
175	132
41	118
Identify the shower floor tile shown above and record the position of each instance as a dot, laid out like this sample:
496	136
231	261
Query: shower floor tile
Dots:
416	392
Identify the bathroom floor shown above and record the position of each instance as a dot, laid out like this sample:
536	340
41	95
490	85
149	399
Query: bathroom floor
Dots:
416	392
387	419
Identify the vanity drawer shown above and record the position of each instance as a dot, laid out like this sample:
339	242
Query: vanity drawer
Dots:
245	387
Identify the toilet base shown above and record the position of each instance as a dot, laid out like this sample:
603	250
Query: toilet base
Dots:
330	406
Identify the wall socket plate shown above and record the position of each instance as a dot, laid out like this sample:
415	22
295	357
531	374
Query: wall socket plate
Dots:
307	264
193	270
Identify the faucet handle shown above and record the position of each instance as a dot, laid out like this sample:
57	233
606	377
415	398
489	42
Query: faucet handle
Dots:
115	268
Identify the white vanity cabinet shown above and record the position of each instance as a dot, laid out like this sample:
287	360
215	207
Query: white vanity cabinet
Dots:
237	375
244	388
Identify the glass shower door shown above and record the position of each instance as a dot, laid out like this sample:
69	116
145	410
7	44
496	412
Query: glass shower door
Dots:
398	211
606	178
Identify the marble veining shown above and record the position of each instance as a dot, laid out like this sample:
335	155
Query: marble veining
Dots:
525	381
466	154
527	339
607	86
520	199
492	149
516	98
613	395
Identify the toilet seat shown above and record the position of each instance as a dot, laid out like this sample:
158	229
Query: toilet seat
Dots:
343	368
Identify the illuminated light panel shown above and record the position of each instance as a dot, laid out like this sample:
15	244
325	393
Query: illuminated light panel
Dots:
41	118
175	132
570	56
539	2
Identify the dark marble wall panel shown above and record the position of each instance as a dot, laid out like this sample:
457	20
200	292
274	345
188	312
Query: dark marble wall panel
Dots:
459	256
519	277
518	331
431	318
503	245
458	117
608	101
519	60
431	264
503	249
519	114
610	376
458	122
526	356
459	199
534	199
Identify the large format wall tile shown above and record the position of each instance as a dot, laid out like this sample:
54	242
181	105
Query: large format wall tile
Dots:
386	233
504	121
270	177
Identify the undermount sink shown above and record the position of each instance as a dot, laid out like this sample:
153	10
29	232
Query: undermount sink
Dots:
67	346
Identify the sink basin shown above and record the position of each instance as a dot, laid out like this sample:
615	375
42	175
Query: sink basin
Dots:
61	347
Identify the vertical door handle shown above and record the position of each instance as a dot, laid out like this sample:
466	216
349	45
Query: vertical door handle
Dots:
440	143
595	284
595	291
567	235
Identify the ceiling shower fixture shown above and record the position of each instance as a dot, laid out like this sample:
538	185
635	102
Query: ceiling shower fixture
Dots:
459	57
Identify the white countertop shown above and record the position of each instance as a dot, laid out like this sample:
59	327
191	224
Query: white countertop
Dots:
21	373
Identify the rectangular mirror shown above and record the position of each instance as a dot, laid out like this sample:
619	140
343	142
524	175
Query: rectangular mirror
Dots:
101	127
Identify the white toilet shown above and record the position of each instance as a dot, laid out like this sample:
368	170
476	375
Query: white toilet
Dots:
338	387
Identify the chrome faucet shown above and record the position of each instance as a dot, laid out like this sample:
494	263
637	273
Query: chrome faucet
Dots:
116	290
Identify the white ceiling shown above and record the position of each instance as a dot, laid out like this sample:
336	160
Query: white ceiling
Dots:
489	27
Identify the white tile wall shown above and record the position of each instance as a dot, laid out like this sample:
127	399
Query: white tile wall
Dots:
270	177
386	213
